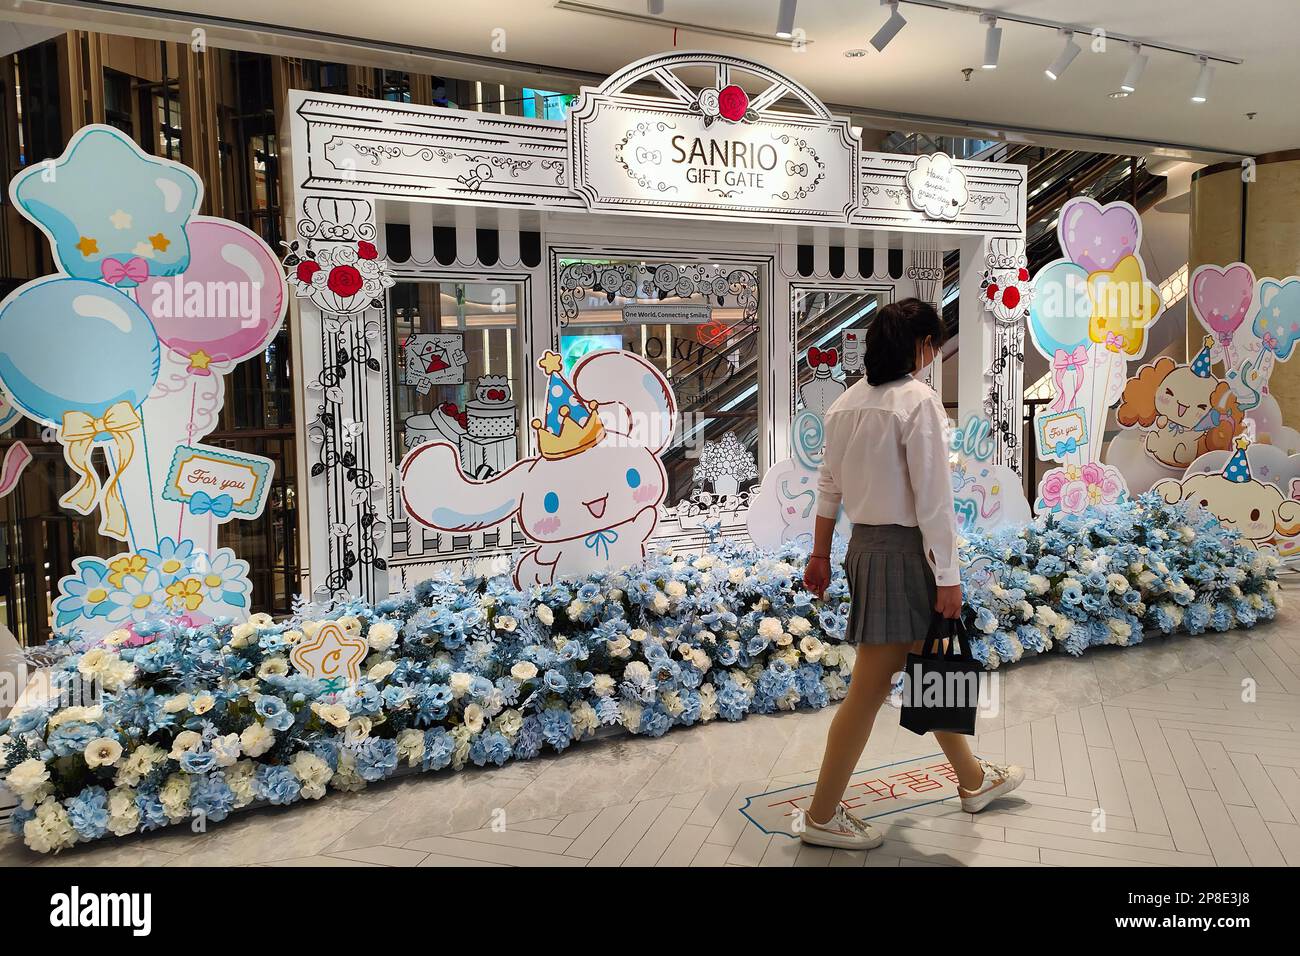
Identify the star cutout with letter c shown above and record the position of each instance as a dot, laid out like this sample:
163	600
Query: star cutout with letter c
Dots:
330	654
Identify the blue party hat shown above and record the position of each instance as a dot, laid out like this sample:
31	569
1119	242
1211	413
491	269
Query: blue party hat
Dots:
1237	470
1201	364
570	425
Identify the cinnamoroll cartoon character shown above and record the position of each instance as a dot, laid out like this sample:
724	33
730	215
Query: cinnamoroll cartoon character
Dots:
590	500
1242	503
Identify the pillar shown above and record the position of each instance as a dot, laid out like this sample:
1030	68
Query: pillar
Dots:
1250	212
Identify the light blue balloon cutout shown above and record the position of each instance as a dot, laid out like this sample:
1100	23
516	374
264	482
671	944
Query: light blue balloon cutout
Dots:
75	345
1061	308
1278	316
105	199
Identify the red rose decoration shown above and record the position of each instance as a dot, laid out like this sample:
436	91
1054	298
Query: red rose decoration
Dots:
1023	275
367	250
1011	297
991	292
733	103
344	281
306	269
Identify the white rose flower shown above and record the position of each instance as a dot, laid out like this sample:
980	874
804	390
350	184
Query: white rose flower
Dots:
273	667
123	814
638	672
241	635
508	723
313	773
675	590
175	796
473	718
381	671
799	626
523	670
460	684
174	705
242	781
381	636
770	628
50	830
619	646
504	622
256	740
410	746
575	609
659	603
603	686
545	615
28	777
203	703
585	721
226	749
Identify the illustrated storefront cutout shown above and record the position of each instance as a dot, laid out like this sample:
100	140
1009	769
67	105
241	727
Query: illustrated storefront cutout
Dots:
703	216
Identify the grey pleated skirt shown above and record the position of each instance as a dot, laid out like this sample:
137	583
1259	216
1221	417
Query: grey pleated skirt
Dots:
890	583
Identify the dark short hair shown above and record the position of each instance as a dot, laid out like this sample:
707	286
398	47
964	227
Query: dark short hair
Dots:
891	339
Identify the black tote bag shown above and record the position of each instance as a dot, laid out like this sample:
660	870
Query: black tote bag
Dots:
941	687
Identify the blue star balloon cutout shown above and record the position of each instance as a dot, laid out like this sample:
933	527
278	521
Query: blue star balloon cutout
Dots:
111	212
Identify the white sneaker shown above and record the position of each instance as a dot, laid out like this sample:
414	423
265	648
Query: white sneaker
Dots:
842	831
999	780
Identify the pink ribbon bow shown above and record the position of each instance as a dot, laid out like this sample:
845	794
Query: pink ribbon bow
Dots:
1114	342
114	270
1062	362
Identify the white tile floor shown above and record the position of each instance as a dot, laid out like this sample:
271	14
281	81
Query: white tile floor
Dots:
1138	756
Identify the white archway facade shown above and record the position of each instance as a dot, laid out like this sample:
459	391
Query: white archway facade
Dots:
728	184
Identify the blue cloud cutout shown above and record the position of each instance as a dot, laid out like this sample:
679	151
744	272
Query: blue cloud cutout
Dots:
104	199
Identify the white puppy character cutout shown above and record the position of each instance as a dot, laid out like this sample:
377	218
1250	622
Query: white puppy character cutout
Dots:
590	499
1257	509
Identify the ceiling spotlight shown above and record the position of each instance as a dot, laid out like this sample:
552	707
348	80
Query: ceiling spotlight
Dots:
1065	57
992	41
1202	91
890	28
785	19
1135	68
655	7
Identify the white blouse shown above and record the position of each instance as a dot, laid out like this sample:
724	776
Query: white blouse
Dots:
886	462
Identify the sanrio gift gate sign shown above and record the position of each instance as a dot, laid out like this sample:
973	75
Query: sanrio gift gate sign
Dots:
723	148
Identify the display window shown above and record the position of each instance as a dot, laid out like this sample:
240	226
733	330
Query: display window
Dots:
829	327
456	370
697	322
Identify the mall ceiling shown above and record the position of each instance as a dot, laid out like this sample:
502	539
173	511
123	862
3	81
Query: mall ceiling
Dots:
1251	107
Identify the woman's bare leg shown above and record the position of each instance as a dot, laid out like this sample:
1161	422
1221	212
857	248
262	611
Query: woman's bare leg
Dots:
873	672
956	748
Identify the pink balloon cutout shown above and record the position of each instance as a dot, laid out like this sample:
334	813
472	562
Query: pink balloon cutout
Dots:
1221	297
227	305
1095	237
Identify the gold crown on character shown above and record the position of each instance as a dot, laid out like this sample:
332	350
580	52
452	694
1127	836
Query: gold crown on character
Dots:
561	436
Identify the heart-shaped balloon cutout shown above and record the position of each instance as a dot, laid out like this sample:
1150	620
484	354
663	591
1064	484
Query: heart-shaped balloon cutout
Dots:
1124	304
1096	237
1221	297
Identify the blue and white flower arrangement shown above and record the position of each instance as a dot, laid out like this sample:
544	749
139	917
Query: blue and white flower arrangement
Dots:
205	720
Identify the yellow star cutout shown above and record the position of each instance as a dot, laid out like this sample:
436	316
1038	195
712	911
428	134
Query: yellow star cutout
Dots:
550	362
120	219
331	654
159	241
87	246
200	360
1242	442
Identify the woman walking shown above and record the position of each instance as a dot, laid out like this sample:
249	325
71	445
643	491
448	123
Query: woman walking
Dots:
886	463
